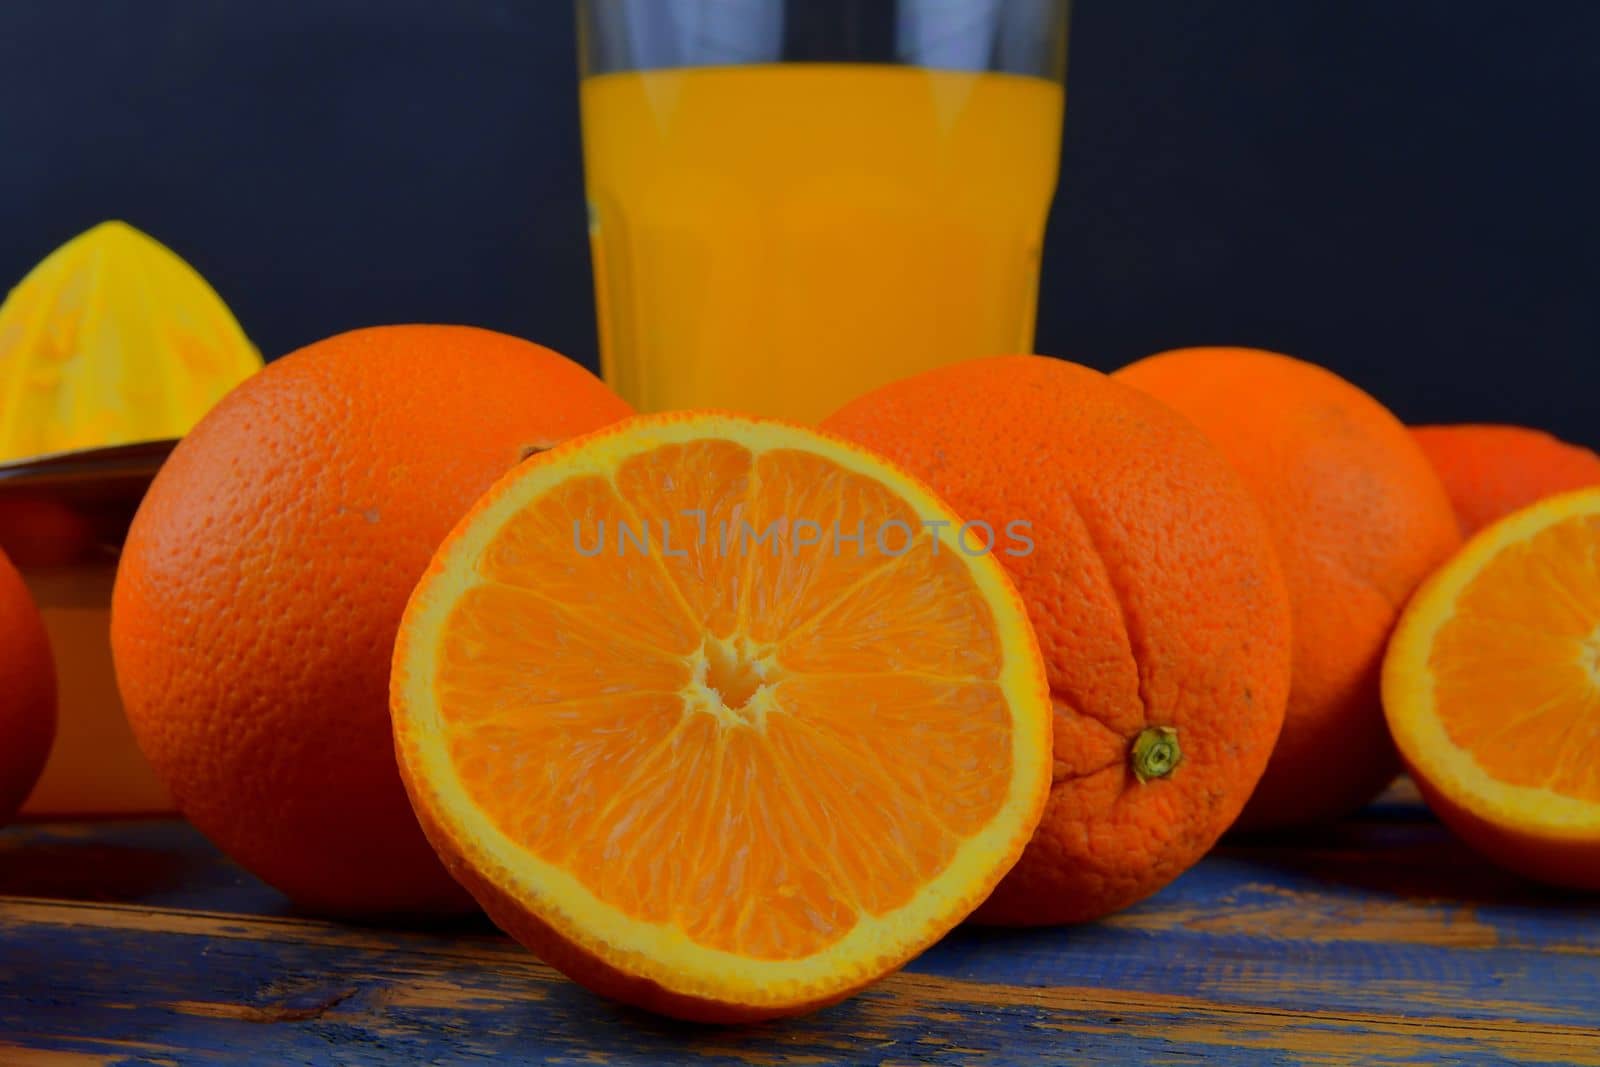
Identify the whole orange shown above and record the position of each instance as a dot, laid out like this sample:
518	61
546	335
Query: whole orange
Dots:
1359	519
263	580
1152	586
1491	471
27	692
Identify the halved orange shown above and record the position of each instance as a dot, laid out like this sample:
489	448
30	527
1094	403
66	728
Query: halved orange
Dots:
723	717
1492	690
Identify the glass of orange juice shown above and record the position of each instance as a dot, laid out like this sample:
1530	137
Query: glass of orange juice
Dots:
794	201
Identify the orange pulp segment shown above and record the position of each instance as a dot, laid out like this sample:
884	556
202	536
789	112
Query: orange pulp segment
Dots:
674	721
1492	688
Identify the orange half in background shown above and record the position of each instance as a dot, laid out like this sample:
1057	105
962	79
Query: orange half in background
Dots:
719	779
1492	690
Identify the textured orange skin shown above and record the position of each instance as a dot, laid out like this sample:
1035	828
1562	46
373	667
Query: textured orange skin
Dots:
1359	519
1490	471
1153	590
27	692
264	577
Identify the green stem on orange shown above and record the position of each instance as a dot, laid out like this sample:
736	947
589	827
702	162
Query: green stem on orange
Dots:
1155	753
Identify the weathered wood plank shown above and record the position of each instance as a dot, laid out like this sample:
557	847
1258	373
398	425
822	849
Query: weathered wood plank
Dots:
204	983
1379	941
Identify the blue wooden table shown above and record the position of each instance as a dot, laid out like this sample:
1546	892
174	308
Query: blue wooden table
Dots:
1376	941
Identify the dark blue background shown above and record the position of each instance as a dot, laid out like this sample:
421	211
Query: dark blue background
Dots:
1404	190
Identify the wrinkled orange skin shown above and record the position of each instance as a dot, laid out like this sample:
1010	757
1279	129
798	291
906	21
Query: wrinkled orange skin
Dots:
1491	471
1359	519
27	692
1155	595
264	577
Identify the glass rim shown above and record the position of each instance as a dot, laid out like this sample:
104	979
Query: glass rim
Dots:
1022	37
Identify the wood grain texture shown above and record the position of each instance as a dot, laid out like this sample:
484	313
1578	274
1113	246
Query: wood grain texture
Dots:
1377	941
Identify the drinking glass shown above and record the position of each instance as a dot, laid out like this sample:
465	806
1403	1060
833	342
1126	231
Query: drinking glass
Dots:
793	202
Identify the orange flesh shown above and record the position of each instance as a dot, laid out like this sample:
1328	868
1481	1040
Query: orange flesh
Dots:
715	747
1518	664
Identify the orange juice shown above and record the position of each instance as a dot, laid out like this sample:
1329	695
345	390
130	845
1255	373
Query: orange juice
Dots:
778	238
